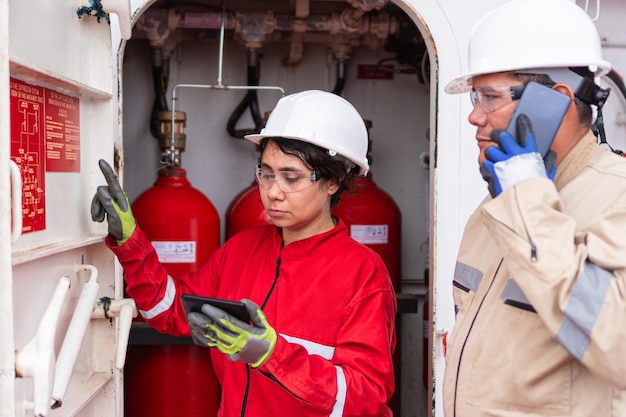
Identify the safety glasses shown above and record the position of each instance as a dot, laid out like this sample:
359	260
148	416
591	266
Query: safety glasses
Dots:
492	98
287	181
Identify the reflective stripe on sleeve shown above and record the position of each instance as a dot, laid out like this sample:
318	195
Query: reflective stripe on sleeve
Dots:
164	304
469	277
312	348
341	393
327	353
582	310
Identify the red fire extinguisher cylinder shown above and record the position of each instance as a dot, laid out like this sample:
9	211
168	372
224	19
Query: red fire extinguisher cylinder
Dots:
163	378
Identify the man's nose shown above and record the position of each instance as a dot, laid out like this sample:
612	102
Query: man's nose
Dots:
477	117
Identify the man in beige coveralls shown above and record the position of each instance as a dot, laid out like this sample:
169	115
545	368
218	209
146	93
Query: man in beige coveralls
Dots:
540	281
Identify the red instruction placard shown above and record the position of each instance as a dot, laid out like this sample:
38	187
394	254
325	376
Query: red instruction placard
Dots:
62	126
44	138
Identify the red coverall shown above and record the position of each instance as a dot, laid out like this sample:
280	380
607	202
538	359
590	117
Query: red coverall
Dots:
329	298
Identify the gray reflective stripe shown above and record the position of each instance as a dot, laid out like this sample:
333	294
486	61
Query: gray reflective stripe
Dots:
512	291
467	276
164	304
326	352
583	308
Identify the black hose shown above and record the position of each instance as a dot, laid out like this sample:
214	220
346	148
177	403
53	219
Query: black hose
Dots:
159	84
618	81
249	100
598	127
341	77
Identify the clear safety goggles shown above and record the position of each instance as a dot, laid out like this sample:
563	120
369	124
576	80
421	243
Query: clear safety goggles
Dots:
287	181
492	98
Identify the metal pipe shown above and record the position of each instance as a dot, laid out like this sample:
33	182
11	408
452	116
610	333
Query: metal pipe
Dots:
16	202
74	336
125	310
221	50
36	359
219	86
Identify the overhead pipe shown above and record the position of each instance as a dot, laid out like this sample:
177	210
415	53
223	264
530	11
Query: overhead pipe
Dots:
37	359
350	21
299	28
124	309
75	334
218	86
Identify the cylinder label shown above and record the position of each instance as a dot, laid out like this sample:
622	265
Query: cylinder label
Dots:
175	252
370	234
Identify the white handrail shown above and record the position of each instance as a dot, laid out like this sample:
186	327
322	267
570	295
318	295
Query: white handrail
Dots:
16	202
36	359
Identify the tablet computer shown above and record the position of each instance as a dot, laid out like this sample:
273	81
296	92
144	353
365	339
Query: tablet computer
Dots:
194	303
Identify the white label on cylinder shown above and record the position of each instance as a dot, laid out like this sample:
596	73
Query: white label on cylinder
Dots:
176	252
370	234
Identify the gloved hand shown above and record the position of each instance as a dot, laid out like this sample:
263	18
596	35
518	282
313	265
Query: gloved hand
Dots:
113	201
511	162
242	342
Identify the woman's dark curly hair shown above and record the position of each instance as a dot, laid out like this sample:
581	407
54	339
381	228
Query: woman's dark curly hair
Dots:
334	169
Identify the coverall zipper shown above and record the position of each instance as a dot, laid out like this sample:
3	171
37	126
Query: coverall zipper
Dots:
469	331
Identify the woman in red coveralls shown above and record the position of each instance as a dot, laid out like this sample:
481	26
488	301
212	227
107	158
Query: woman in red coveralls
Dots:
322	306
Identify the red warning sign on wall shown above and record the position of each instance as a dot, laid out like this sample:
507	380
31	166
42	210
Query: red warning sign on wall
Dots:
62	132
44	138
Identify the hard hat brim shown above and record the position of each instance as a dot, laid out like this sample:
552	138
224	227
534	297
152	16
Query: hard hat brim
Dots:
460	85
257	138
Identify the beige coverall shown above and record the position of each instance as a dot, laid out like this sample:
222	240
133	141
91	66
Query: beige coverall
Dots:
540	293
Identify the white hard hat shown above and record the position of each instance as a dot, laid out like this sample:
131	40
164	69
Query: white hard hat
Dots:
323	119
526	34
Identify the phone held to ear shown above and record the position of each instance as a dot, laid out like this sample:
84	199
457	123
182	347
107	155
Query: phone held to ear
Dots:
545	107
234	308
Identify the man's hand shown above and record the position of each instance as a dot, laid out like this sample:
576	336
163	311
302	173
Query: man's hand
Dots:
112	201
242	342
513	161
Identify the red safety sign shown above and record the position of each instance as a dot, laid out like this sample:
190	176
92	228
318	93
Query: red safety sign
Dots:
45	137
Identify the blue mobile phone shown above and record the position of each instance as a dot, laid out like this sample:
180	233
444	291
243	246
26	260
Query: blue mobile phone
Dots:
545	107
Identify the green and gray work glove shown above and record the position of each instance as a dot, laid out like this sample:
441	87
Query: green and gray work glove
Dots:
242	342
112	201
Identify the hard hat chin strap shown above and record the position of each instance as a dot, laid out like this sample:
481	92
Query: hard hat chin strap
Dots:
580	80
588	91
591	93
